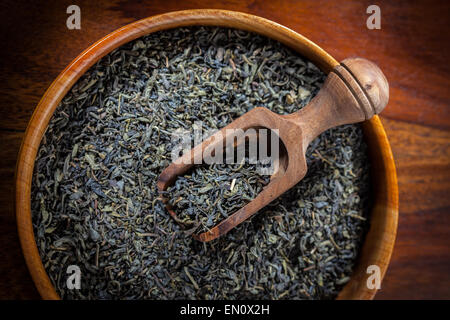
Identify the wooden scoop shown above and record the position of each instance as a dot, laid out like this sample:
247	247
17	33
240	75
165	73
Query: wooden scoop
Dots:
353	92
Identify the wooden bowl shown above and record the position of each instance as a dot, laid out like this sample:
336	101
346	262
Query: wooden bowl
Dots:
380	238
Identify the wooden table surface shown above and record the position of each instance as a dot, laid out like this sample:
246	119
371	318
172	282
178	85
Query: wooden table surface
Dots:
412	48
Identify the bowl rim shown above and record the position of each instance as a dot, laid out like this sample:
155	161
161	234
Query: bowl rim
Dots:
382	234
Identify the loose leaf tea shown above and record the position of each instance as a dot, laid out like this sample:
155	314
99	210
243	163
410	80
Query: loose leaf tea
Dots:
95	203
210	194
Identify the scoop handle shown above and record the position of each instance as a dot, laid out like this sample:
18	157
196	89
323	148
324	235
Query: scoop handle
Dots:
354	91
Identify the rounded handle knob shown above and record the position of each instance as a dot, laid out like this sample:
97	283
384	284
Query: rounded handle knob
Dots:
354	91
367	82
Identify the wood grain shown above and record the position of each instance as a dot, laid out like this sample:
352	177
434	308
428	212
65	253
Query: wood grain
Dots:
412	48
354	91
357	88
421	259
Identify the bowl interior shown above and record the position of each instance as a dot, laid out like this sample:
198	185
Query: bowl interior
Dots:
378	245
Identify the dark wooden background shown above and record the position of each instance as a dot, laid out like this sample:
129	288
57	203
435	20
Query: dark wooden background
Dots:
412	48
